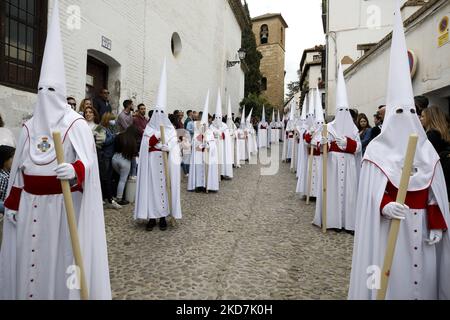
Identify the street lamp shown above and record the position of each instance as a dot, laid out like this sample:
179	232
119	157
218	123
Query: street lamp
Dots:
242	54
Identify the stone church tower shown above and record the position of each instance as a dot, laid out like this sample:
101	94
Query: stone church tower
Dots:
269	30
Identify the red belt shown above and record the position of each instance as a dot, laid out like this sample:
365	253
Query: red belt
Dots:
152	149
334	148
45	186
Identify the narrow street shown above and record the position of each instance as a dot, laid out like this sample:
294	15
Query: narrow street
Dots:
252	240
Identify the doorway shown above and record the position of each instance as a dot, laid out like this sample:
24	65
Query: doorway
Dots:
96	77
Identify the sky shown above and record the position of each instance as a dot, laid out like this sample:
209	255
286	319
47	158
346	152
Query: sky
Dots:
304	18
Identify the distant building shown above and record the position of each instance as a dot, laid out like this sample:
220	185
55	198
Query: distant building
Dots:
270	32
121	45
427	38
312	72
352	28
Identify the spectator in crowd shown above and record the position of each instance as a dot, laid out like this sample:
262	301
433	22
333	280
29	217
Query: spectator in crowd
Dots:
6	159
126	150
190	127
140	121
105	155
186	151
436	126
6	136
422	103
85	103
188	119
378	119
91	116
125	118
150	115
365	131
354	113
72	103
101	103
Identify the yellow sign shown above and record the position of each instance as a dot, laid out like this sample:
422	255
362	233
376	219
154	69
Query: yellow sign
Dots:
443	31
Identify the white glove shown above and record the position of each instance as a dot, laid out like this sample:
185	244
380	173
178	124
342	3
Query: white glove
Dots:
206	146
435	237
323	141
165	148
11	216
65	171
342	143
395	210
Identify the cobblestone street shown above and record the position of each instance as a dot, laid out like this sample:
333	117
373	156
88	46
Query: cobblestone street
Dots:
252	240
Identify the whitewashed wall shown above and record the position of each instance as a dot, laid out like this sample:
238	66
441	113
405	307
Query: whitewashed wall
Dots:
141	38
367	84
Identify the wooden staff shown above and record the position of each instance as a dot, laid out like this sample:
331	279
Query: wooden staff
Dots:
206	160
324	180
70	211
219	157
310	169
167	174
395	223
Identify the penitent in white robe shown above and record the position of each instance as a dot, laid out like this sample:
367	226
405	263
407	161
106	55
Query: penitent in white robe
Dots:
419	271
200	159
241	146
151	193
274	133
36	260
342	183
225	149
263	135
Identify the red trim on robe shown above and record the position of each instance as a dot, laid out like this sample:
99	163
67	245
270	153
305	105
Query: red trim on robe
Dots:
45	185
417	200
80	170
436	220
352	145
153	141
307	137
223	135
13	200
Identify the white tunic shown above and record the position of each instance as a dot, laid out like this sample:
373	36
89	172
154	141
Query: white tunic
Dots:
36	255
225	149
200	159
151	193
419	271
263	135
342	183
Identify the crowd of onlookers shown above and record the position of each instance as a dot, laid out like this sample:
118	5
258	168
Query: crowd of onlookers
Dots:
118	139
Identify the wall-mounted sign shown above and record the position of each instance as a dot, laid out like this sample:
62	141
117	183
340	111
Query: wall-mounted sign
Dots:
413	62
90	80
106	43
443	29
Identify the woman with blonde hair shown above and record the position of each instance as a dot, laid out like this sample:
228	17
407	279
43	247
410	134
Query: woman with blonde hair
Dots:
85	103
436	125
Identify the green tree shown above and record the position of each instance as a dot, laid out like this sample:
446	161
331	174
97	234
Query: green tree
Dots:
256	102
253	58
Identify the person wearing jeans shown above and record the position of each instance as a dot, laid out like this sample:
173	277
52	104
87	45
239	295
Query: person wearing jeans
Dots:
126	151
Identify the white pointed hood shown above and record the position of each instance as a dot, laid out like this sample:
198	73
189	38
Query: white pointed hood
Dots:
279	117
243	119
273	116
310	116
249	118
319	116
160	116
388	150
205	115
263	117
51	108
303	118
343	125
218	116
229	114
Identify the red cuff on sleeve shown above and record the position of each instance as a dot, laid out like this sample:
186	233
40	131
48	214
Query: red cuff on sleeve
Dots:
352	145
200	138
153	141
13	200
307	137
436	220
385	201
80	171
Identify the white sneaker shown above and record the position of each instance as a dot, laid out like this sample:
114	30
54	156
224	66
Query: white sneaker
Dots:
113	205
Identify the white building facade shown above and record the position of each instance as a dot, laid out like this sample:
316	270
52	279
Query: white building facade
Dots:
121	45
427	37
352	27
